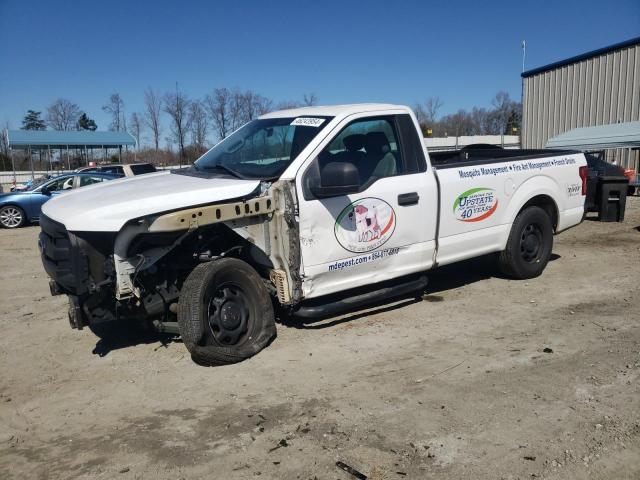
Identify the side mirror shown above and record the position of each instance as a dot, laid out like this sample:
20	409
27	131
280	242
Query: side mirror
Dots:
337	178
45	190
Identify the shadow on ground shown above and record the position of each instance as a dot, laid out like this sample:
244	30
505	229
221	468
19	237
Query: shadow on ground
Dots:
442	279
130	339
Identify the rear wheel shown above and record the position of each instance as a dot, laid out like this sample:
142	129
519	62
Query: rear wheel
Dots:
12	216
225	313
529	245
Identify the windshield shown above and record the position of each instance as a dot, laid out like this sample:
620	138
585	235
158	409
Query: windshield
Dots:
262	148
38	182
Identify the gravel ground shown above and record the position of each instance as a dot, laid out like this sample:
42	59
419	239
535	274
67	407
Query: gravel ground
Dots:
483	378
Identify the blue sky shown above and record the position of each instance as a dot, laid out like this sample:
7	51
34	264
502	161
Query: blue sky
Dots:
343	51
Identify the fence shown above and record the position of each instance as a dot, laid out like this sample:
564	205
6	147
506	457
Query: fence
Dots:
23	176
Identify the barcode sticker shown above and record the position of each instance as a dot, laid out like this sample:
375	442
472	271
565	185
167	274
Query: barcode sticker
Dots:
308	122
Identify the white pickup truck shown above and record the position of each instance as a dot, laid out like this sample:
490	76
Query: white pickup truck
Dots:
304	212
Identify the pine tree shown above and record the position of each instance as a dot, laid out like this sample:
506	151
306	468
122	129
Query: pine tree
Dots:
32	121
86	123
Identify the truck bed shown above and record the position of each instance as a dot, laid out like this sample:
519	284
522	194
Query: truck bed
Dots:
485	154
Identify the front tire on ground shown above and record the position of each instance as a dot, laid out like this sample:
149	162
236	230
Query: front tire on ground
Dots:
529	245
225	313
12	216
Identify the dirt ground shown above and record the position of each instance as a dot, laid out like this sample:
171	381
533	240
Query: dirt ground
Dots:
483	378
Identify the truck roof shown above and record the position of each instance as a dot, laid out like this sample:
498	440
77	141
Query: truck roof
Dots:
334	110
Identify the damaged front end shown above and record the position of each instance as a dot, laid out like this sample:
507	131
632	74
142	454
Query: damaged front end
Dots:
137	273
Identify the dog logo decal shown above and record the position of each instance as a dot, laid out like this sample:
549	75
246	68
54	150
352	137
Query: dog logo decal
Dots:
365	225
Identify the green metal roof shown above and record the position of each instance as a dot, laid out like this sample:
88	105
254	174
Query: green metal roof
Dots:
21	139
601	137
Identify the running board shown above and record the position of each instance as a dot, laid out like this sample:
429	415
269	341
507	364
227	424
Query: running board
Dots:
362	300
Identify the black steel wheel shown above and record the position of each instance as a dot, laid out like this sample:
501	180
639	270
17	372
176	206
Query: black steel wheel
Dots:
229	315
225	314
529	244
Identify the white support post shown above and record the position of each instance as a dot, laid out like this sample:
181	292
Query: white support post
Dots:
31	163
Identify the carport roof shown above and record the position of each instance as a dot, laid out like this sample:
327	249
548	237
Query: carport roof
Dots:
601	137
22	139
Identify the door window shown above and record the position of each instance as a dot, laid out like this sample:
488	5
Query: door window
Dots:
118	170
142	168
371	145
64	183
86	180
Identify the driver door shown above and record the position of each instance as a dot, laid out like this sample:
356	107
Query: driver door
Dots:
54	187
386	228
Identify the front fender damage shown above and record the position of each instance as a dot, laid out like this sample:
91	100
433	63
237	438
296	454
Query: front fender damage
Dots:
267	223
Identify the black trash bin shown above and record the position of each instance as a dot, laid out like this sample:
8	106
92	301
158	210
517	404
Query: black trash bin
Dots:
612	198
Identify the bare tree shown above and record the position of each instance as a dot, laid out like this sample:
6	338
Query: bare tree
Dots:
153	108
502	106
217	106
176	104
310	99
287	105
4	140
136	127
427	112
5	163
459	123
248	111
432	106
63	114
262	105
479	119
198	123
237	109
115	108
254	105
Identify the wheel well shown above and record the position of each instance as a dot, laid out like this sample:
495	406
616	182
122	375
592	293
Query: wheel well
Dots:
547	204
24	210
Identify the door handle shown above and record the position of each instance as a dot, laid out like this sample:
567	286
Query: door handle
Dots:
411	198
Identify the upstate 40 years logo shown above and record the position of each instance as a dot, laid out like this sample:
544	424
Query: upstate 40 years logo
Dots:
475	205
365	225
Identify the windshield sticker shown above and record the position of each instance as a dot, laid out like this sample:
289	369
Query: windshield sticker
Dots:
308	122
475	205
365	225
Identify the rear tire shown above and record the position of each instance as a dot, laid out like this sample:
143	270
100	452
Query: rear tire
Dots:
529	245
12	216
225	313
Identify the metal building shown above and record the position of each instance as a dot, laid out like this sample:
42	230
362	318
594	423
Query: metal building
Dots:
596	88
